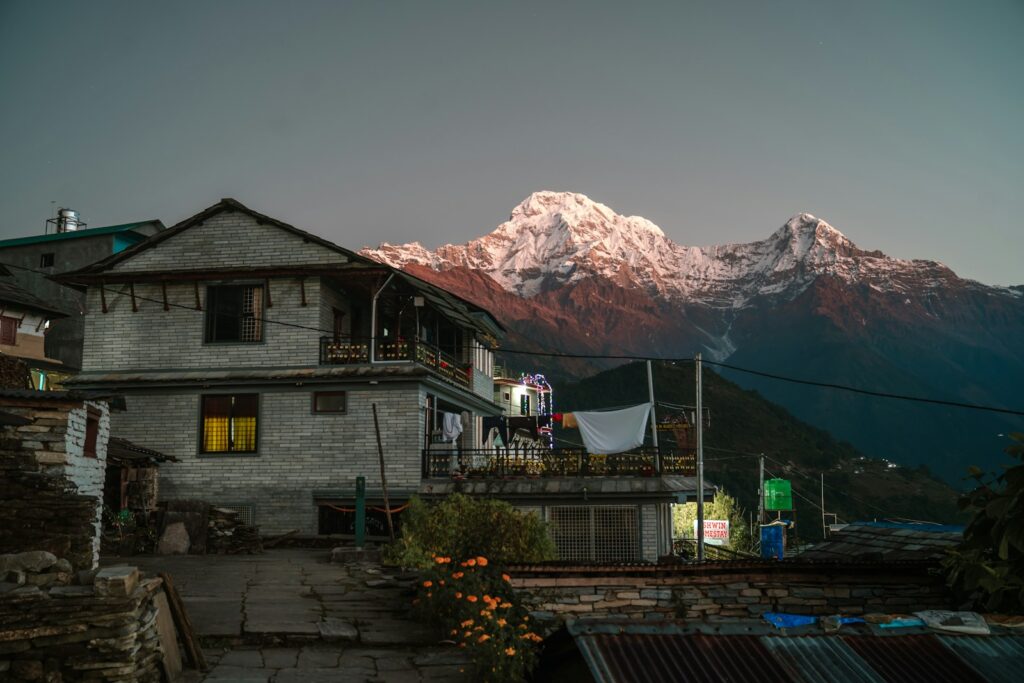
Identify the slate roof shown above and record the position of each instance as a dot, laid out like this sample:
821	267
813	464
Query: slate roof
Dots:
736	651
14	294
887	540
126	451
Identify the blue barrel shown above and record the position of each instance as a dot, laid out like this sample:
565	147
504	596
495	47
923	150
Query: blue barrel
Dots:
773	541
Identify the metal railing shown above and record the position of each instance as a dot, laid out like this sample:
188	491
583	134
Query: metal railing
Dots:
353	352
439	461
686	548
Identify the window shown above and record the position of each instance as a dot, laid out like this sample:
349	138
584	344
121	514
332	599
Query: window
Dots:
595	533
9	330
234	313
329	402
46	260
92	430
524	404
230	423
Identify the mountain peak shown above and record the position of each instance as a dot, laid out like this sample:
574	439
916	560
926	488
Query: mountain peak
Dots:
575	211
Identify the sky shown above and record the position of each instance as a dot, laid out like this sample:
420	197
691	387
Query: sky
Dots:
900	123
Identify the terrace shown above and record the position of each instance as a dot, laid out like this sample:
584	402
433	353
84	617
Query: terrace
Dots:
504	463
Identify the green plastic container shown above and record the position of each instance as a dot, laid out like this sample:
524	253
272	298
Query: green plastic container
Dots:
778	494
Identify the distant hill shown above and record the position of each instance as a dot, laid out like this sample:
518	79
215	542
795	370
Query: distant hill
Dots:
566	273
743	422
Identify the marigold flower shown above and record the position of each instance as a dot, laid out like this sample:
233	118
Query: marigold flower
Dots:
482	561
455	631
428	584
505	605
506	577
501	622
487	598
430	595
484	613
470	562
483	638
510	651
467	634
526	617
458	575
438	559
458	596
467	623
471	598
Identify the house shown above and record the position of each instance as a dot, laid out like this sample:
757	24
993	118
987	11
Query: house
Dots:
262	358
25	320
67	244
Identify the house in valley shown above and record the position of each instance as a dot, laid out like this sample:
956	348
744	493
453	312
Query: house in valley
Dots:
254	354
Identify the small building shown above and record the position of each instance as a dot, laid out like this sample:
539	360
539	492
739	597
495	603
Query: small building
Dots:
66	244
25	320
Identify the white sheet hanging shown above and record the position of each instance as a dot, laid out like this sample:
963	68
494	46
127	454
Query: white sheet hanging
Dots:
613	431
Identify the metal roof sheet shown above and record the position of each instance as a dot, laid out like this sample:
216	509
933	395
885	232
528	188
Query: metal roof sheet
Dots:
1000	660
815	659
88	232
901	659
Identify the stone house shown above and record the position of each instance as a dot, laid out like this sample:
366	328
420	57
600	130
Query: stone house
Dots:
253	353
24	326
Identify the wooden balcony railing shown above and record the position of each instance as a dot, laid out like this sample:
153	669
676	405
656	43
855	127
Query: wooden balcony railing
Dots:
555	462
345	352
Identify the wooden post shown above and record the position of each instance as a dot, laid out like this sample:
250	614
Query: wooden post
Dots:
135	304
302	288
383	477
183	624
103	297
199	303
360	512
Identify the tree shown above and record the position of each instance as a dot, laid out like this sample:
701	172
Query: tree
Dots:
987	568
723	506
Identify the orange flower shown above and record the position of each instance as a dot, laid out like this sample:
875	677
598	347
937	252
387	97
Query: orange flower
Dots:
501	622
467	634
483	638
467	623
484	613
482	561
470	562
487	598
430	595
428	584
526	617
506	605
441	582
458	575
455	631
510	651
438	559
458	596
471	598
506	577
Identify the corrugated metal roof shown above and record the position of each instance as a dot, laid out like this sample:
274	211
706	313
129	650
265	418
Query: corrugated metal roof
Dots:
888	541
88	232
620	653
1000	660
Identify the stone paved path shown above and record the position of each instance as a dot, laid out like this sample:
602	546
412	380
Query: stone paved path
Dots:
290	615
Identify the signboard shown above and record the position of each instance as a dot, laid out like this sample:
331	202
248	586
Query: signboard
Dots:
716	531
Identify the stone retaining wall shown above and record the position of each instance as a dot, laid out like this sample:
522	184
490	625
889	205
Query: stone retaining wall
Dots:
89	626
725	590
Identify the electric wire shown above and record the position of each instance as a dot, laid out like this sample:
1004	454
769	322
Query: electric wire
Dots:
553	354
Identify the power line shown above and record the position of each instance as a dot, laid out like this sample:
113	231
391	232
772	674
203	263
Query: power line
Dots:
552	354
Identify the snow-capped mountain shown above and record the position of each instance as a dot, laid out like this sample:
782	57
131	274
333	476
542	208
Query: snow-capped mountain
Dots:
558	238
566	273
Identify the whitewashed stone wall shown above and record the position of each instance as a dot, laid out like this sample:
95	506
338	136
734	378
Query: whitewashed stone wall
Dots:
88	473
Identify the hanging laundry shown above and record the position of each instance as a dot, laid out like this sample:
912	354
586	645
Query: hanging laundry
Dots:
569	421
497	422
451	426
613	431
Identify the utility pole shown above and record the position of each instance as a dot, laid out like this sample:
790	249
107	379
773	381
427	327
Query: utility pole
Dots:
824	531
760	493
654	421
700	462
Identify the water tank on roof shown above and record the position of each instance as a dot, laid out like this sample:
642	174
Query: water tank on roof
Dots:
68	220
778	494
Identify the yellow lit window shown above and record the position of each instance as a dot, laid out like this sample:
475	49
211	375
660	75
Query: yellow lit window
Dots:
230	423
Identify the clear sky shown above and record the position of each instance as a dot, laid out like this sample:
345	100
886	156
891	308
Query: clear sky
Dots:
901	123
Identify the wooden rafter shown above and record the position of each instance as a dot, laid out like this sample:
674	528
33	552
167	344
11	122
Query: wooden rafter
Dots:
103	296
266	287
135	304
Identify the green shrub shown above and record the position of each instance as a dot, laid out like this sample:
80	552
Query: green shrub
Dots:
461	526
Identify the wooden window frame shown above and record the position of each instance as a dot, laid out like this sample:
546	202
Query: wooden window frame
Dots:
211	329
9	330
92	431
47	260
317	394
231	416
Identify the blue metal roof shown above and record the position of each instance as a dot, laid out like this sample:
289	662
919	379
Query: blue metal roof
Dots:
88	232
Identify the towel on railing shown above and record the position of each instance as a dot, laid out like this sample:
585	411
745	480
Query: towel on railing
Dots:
612	431
451	426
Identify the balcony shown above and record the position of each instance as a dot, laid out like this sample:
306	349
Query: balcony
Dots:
503	463
444	365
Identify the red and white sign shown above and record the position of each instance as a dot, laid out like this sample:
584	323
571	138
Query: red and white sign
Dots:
716	531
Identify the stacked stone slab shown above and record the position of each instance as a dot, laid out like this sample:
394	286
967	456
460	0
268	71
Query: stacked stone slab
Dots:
227	534
86	626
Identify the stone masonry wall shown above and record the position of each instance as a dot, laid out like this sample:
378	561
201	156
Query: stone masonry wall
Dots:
52	494
89	626
153	339
298	451
724	592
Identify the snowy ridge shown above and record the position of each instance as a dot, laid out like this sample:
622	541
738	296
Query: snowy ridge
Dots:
555	238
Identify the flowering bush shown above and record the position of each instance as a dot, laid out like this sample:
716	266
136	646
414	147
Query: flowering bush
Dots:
472	602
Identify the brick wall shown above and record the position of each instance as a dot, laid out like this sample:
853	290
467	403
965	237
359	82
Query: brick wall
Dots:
153	338
298	451
230	239
741	590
